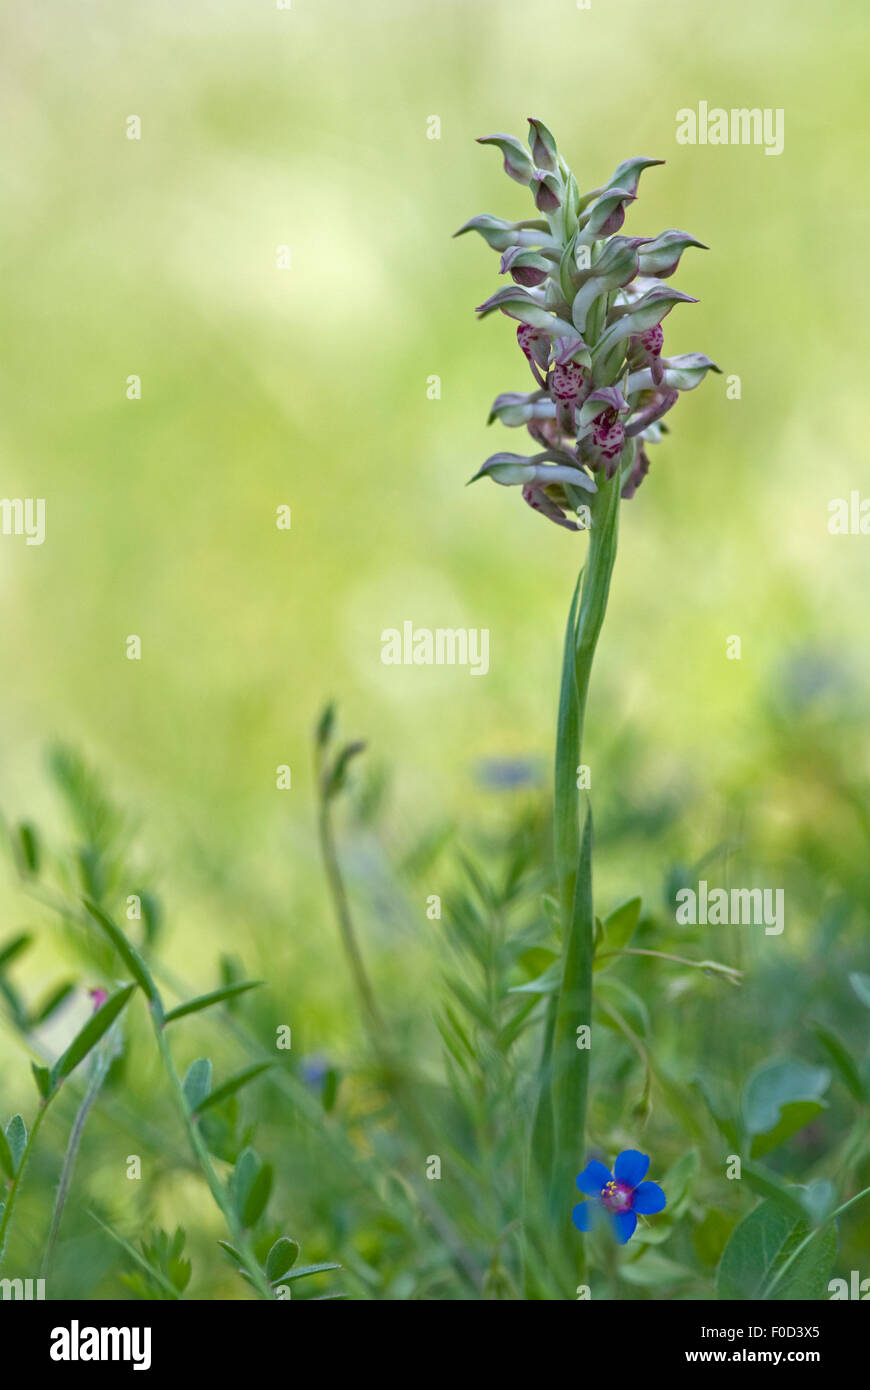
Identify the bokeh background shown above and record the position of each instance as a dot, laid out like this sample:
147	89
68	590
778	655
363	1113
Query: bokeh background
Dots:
307	387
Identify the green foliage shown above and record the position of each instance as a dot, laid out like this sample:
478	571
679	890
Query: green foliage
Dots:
779	1098
95	1028
759	1248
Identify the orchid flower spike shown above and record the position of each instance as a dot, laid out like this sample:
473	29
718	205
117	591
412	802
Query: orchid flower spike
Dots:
589	304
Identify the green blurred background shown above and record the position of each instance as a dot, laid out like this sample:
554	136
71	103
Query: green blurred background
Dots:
308	387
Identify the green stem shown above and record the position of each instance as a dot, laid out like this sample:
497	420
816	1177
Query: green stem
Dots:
239	1237
17	1180
98	1076
372	1019
569	1064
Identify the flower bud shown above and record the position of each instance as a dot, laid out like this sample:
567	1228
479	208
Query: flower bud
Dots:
661	256
627	174
517	164
543	146
644	349
605	216
546	191
526	267
517	408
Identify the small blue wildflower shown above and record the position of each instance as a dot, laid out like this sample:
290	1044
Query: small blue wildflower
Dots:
621	1196
313	1069
506	774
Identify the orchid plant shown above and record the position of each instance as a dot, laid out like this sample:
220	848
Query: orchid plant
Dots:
589	304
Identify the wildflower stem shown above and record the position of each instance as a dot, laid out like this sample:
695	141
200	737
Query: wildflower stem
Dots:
372	1018
570	1063
98	1075
218	1191
714	967
19	1176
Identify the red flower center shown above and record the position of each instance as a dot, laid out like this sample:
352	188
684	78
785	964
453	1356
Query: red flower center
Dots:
616	1196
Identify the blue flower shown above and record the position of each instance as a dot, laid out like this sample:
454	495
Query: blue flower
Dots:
620	1196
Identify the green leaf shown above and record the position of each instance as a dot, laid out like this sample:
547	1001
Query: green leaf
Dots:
653	1270
718	1109
157	1274
97	1025
759	1246
232	1252
42	1077
711	1235
817	1200
766	1183
242	1178
303	1272
281	1258
677	1181
325	725
794	1116
627	1001
842	1060
27	847
13	947
204	1001
232	1085
258	1196
330	1089
547	983
197	1083
128	954
6	1161
16	1139
619	928
861	985
779	1098
53	1002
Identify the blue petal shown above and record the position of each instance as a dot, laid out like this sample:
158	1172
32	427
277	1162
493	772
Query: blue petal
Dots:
580	1216
624	1224
648	1199
631	1167
594	1178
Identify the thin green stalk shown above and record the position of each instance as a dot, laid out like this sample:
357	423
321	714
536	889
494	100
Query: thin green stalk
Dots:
371	1013
590	619
239	1238
574	1007
19	1176
101	1067
558	1131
